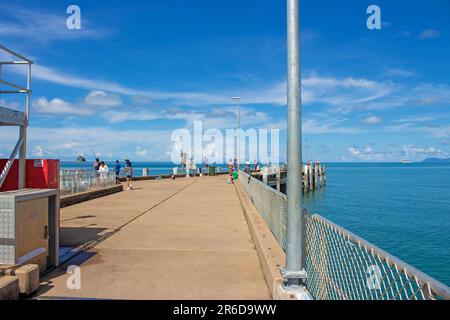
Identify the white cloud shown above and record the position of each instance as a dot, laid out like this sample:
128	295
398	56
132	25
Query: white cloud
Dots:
39	151
102	99
70	142
429	34
365	154
315	89
338	95
414	151
372	120
411	152
59	106
323	126
141	153
399	72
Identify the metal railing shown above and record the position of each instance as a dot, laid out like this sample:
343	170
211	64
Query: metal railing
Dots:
341	265
77	181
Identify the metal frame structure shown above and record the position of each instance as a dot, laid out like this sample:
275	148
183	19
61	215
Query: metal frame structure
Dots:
9	117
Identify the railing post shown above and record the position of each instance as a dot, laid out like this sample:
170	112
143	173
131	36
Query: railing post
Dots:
278	179
294	273
316	176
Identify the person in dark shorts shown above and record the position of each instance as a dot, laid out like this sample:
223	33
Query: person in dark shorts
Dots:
117	171
128	173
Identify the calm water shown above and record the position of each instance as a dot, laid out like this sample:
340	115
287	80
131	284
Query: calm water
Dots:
402	208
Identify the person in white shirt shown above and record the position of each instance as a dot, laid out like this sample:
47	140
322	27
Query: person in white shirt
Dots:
103	171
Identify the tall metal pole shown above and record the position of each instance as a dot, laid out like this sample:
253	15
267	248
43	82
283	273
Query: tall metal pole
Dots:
23	135
239	129
293	272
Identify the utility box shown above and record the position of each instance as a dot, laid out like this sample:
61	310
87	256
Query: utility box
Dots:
29	228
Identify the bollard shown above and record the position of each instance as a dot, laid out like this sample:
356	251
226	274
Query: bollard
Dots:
278	177
316	175
305	177
320	176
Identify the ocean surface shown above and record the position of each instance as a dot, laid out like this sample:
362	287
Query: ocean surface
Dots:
402	208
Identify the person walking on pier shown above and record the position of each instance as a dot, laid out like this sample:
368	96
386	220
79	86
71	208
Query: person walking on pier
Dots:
117	171
96	168
128	173
247	167
206	166
230	172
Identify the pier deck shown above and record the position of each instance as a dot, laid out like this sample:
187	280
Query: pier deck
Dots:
182	239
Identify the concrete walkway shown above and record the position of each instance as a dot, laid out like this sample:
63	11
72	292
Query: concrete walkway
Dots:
182	239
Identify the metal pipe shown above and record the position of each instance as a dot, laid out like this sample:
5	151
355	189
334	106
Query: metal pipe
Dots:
295	220
23	134
14	62
10	162
13	85
239	129
15	54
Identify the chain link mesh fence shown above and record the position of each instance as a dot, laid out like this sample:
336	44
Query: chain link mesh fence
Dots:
341	265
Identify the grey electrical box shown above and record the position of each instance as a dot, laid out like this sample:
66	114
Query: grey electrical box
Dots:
29	227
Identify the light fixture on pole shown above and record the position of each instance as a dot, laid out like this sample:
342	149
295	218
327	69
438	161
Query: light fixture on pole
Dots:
238	99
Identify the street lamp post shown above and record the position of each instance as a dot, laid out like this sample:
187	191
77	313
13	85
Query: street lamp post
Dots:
294	273
238	99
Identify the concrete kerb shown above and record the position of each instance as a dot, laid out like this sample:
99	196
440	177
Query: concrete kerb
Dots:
270	254
89	195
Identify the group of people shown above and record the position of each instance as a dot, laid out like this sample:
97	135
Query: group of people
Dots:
101	172
233	169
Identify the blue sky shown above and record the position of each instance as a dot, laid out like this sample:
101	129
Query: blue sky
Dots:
136	71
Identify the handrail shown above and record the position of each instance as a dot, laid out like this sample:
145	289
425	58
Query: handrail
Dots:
435	286
25	60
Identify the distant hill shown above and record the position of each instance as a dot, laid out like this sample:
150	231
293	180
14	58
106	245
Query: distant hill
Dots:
436	160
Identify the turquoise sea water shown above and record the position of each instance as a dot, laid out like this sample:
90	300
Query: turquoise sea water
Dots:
402	208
